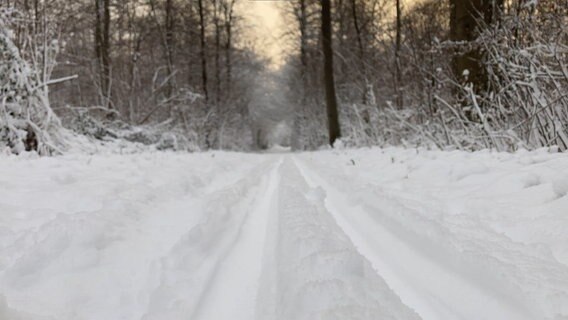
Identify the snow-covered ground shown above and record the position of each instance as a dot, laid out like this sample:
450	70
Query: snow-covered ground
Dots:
349	234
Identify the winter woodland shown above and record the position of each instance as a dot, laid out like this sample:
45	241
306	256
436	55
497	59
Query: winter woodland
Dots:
181	75
396	159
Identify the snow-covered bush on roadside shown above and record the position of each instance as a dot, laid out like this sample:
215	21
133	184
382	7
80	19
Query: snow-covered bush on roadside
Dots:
27	122
527	62
523	104
85	121
94	123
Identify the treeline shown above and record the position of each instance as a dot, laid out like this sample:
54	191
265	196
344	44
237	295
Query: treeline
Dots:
172	64
465	74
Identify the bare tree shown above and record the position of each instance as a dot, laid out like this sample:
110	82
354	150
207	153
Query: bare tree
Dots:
203	52
228	12
360	46
169	42
102	49
217	24
467	17
329	81
398	43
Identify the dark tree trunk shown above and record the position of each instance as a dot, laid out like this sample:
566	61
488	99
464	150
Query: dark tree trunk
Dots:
301	16
169	43
398	44
36	15
303	22
229	58
217	52
465	19
229	7
330	95
203	52
189	20
102	48
361	48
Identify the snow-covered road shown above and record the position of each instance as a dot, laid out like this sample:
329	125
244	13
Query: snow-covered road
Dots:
351	234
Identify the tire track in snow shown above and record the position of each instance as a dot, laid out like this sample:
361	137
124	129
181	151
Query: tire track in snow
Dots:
316	271
186	273
232	293
434	291
108	220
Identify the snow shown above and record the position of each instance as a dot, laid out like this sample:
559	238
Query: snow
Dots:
335	234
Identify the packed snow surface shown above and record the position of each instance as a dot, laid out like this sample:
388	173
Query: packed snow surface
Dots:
350	234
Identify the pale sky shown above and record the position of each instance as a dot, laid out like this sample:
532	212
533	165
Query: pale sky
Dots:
268	25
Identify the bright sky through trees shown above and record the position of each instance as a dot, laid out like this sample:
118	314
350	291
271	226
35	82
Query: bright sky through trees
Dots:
268	20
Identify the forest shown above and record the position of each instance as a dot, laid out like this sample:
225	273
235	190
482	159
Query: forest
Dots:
283	160
182	75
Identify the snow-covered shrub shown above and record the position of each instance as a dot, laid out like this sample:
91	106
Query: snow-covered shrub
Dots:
528	67
524	102
523	105
310	128
93	123
173	132
27	122
86	122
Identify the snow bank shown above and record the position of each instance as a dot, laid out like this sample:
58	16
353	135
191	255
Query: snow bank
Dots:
494	220
85	237
349	234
